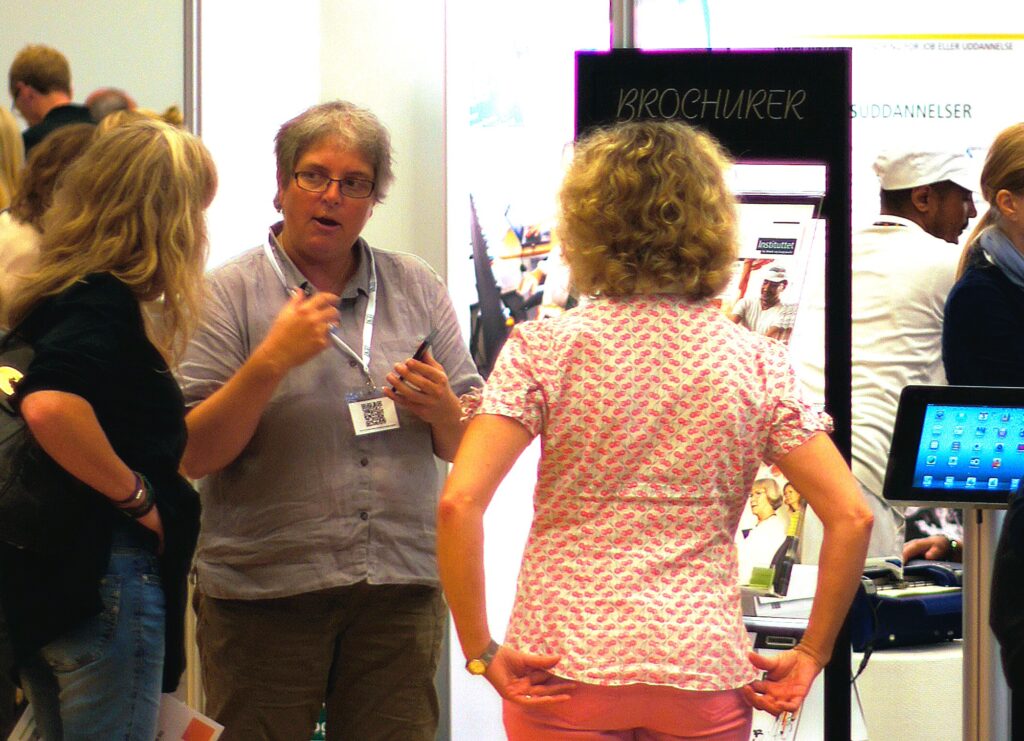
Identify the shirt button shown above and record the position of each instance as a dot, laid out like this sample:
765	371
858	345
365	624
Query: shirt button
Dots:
352	364
364	461
364	515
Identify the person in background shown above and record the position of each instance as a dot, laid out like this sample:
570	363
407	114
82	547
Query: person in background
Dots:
316	436
934	534
12	157
791	498
983	345
101	103
627	617
39	81
766	314
903	267
12	160
98	624
21	226
760	544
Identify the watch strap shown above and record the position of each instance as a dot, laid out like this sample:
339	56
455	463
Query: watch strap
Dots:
479	664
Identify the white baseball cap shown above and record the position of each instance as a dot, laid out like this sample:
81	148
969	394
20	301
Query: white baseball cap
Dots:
900	170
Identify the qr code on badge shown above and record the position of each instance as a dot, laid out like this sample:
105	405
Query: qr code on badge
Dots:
373	413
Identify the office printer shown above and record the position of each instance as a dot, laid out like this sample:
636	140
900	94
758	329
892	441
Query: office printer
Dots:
922	605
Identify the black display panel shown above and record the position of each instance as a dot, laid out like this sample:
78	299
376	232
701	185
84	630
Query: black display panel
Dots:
956	445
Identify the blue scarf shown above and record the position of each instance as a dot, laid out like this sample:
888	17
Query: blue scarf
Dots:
1003	253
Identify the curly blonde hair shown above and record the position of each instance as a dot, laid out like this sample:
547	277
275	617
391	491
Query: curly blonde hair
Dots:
644	208
132	205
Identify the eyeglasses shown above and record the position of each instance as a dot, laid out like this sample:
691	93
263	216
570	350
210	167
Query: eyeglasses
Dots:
317	182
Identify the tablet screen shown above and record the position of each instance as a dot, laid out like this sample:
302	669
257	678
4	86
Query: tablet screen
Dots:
957	445
968	447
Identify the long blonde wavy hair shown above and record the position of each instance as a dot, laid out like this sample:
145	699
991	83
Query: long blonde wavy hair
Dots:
644	208
1003	170
132	206
12	157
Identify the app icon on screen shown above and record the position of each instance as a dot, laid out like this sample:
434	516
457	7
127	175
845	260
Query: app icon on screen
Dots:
971	482
993	482
926	480
948	481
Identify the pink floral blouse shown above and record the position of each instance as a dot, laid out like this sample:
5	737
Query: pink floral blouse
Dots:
654	414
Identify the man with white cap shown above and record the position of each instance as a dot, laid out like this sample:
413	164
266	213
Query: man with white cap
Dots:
767	314
903	268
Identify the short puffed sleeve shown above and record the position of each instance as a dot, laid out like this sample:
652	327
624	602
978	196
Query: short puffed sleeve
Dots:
514	388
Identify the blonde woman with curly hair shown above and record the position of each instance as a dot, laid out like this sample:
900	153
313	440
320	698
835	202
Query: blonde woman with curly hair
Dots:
107	311
654	412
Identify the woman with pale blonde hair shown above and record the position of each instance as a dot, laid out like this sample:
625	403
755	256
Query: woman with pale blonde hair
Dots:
983	345
12	157
655	412
97	621
982	341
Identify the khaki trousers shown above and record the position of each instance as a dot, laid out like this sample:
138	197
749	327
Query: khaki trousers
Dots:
369	652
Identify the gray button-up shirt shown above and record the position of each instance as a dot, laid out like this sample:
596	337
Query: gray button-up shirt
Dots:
307	505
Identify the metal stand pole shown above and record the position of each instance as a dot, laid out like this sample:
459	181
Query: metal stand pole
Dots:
986	695
622	24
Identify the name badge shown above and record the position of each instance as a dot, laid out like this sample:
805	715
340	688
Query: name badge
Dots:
372	412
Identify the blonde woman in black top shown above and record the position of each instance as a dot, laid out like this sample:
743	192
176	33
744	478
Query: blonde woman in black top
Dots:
97	619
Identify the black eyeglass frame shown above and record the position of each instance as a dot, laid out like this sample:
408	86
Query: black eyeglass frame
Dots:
345	189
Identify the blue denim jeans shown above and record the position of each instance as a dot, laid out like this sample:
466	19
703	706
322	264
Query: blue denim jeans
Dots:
102	680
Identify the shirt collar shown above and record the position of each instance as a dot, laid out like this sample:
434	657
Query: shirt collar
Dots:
890	221
358	283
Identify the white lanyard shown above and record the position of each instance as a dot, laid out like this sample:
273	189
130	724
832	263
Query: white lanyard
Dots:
371	309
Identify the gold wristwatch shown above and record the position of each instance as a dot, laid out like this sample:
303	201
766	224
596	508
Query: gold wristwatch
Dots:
479	665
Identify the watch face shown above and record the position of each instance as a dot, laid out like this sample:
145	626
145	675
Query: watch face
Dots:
476	666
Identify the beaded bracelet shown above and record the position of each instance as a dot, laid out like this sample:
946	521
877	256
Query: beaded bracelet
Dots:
141	501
